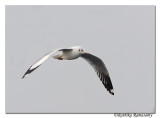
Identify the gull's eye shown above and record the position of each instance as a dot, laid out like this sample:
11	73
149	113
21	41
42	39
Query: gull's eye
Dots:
82	50
79	50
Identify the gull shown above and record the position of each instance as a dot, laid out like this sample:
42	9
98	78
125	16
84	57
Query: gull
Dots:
74	53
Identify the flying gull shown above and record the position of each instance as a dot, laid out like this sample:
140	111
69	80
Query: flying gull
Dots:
74	53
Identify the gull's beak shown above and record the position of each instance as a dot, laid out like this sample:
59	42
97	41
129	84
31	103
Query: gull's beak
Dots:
86	53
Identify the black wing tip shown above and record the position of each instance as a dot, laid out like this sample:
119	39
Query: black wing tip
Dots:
111	91
24	76
29	71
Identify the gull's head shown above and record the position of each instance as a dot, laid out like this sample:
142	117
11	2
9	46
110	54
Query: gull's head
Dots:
79	50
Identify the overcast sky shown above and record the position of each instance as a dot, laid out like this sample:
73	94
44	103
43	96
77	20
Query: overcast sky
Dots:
122	36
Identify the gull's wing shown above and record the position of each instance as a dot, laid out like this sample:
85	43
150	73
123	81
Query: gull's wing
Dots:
39	62
66	50
101	70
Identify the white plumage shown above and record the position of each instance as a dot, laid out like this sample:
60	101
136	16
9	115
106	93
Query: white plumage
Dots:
74	53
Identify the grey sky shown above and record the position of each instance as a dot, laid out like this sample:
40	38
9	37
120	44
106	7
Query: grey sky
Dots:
122	36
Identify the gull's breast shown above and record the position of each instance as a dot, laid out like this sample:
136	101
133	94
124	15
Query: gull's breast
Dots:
70	55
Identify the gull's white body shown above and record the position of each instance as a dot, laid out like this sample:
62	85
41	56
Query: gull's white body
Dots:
74	53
